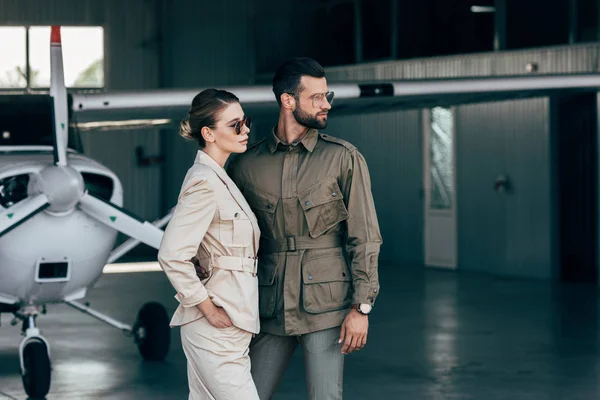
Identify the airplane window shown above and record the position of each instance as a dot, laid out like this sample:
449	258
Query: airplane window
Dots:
13	60
83	52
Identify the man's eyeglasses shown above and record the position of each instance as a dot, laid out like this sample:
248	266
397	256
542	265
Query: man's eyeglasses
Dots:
318	99
247	121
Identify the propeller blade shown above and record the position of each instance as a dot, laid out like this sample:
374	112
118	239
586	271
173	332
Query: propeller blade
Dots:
130	244
15	215
58	92
119	219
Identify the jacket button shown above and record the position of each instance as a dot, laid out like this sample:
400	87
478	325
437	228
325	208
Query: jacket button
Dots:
236	215
334	194
269	206
374	290
310	277
307	203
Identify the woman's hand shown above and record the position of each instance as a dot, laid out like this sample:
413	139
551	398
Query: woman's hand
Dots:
215	316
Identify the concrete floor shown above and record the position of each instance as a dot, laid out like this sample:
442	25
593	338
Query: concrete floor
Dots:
434	335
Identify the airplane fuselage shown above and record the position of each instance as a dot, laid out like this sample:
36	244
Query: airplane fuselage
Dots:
52	256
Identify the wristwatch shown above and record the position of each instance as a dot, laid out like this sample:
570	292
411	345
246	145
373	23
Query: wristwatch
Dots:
362	308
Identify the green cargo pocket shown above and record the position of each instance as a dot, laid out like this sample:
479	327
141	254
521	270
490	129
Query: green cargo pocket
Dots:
326	281
268	284
323	207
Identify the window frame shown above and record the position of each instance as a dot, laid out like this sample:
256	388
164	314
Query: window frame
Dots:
34	89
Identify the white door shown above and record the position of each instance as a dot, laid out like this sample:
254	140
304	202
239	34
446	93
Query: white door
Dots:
439	184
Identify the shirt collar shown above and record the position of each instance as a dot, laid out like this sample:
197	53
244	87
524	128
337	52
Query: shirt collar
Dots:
309	141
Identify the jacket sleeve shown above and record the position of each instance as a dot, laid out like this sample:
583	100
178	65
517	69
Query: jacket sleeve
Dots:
194	212
363	237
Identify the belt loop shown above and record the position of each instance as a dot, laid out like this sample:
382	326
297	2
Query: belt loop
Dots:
291	243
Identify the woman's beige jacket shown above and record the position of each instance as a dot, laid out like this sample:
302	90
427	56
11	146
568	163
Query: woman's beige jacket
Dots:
214	227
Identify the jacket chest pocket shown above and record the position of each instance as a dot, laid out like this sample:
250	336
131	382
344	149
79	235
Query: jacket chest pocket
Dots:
235	228
323	207
264	205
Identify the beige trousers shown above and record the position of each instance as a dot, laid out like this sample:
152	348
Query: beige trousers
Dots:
218	362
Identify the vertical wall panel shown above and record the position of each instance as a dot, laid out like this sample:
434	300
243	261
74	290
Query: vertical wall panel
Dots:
504	233
205	44
132	63
481	212
391	144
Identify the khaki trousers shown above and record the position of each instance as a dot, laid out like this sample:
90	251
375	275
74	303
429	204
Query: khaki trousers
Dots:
218	362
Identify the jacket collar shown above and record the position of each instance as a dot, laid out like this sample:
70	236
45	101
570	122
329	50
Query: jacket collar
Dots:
309	141
203	158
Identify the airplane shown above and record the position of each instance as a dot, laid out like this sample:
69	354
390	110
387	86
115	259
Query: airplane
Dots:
59	217
60	211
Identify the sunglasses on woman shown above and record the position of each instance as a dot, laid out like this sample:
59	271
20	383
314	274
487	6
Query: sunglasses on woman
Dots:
247	121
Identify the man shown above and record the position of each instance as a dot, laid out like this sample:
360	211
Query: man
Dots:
320	242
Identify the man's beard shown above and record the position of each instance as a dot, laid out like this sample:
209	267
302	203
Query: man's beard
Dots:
309	121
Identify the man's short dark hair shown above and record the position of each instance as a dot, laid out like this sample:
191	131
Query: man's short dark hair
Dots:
287	78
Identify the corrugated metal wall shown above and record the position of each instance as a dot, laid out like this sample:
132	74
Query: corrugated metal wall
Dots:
391	144
206	44
504	233
131	62
510	234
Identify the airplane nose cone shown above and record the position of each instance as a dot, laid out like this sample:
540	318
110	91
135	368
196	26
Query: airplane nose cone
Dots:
62	185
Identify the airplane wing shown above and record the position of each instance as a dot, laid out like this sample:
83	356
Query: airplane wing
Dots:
152	108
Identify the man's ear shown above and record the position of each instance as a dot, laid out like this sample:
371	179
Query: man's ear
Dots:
288	101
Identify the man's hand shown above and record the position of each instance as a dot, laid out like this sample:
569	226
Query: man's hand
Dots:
201	272
215	316
354	332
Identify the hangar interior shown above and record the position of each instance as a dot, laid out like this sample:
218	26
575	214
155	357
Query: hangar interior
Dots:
526	231
504	189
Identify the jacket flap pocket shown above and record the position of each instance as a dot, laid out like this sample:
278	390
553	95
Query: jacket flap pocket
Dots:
267	269
327	286
260	200
328	268
231	213
321	194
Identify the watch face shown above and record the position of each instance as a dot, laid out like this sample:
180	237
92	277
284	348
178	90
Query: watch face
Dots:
365	308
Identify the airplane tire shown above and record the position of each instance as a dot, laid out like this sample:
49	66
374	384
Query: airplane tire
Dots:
36	379
152	333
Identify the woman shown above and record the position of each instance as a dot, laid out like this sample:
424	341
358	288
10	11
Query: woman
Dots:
208	252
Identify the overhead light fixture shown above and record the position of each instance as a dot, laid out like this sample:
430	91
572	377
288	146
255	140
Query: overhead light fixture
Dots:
483	9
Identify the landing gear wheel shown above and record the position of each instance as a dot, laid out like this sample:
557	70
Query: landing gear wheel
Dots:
36	377
152	333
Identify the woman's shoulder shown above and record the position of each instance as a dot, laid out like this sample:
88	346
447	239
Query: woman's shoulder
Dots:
200	175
